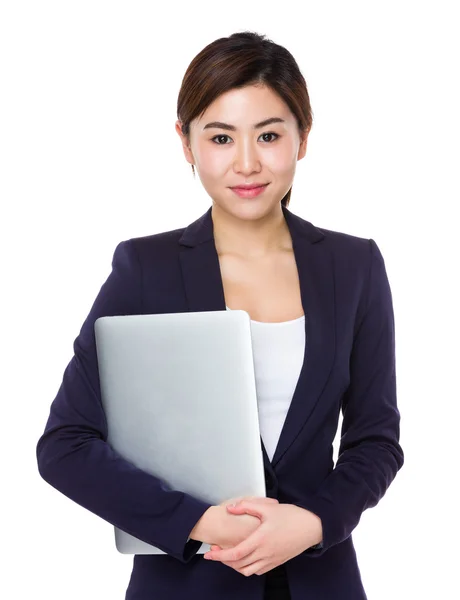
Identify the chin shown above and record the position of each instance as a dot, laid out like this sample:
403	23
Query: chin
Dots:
248	209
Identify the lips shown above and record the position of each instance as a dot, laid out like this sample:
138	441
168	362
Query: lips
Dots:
250	192
249	187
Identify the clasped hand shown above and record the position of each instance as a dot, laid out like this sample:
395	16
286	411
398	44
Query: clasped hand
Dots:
285	531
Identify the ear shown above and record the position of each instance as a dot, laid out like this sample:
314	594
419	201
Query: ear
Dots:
303	145
185	143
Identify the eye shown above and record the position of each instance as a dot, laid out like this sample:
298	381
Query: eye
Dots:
223	135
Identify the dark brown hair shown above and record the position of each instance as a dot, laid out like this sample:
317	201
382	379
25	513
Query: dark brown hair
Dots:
244	58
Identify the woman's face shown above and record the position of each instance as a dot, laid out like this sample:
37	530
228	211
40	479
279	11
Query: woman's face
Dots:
225	157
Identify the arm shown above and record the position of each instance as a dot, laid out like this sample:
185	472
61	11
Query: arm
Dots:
369	451
73	454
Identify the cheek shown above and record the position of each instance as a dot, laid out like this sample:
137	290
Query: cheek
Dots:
281	158
280	163
213	161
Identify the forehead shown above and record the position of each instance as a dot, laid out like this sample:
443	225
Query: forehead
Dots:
246	106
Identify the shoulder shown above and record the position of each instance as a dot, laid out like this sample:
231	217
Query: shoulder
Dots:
343	240
346	247
146	248
163	240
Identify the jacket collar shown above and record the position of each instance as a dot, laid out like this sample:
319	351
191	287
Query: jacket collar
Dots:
202	229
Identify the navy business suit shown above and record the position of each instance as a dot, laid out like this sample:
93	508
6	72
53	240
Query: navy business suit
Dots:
349	365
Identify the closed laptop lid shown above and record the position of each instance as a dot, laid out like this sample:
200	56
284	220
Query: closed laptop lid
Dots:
179	394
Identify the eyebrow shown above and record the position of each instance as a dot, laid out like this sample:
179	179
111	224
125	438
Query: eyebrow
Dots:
220	125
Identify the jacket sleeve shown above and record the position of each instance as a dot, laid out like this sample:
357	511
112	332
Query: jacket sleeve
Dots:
369	454
73	454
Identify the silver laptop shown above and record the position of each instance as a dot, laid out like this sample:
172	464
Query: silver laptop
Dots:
179	394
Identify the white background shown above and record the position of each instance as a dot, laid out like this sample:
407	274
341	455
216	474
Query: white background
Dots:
89	157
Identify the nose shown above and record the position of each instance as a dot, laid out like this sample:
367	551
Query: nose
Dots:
246	158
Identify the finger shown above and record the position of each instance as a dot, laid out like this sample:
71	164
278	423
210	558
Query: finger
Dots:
244	563
256	568
249	567
251	508
232	500
239	499
255	499
239	552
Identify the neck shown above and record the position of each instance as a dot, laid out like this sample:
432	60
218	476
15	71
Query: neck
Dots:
250	238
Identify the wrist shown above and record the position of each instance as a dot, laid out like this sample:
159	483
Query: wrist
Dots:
204	528
314	526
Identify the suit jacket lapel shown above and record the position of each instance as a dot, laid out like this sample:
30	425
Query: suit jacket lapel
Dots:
204	292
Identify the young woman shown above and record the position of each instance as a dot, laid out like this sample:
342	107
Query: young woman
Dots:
323	339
